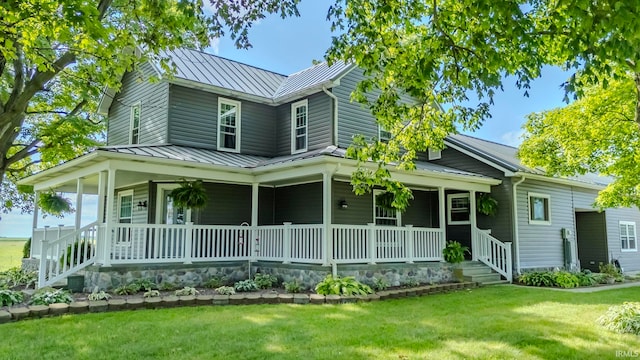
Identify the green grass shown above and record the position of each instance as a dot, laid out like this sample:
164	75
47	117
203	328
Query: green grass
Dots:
503	322
10	252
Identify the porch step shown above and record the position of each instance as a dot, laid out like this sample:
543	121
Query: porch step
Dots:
483	278
478	272
499	282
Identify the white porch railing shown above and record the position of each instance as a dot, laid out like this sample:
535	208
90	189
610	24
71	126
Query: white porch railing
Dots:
373	243
290	243
64	255
50	234
492	252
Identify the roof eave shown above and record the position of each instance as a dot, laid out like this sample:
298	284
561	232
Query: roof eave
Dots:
561	181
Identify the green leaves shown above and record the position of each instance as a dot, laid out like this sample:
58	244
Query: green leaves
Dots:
190	195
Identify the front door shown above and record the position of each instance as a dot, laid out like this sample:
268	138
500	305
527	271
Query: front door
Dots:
168	241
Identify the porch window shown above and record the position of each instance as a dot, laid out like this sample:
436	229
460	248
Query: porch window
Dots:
459	205
383	135
382	215
134	131
125	206
299	126
539	209
228	125
628	236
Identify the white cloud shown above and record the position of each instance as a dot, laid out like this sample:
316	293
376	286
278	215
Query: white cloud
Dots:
512	138
215	46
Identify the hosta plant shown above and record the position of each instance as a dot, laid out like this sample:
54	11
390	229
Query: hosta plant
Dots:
10	297
623	318
342	286
293	287
226	290
187	291
95	296
47	296
265	281
245	286
151	293
380	284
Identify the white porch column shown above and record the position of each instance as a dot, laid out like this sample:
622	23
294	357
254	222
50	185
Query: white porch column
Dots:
253	243
442	215
326	217
474	225
79	193
34	226
102	182
111	188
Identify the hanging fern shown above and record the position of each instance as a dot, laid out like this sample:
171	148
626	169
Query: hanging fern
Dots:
54	204
486	205
190	195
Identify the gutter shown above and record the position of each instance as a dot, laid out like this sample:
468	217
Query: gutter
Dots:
335	114
516	234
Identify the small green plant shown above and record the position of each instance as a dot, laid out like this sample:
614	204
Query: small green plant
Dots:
166	286
623	318
453	252
95	296
81	252
342	286
151	293
15	276
225	290
265	281
565	279
411	282
380	284
10	297
54	204
187	291
47	296
537	278
293	287
128	289
586	278
611	273
26	249
486	205
144	284
215	282
245	286
190	194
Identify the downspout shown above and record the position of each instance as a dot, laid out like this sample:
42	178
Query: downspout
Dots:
335	114
516	233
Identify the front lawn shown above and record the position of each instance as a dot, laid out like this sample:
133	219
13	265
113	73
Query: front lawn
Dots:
500	322
10	252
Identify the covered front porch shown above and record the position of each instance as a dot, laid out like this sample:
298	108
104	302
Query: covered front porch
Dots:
294	211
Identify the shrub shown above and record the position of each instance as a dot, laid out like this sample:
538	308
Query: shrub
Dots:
623	318
245	286
215	282
453	253
80	253
10	297
187	291
380	284
144	284
293	287
225	290
95	296
586	278
26	249
47	296
537	278
342	286
265	281
565	279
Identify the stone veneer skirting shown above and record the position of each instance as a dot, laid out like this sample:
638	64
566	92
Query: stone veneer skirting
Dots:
395	274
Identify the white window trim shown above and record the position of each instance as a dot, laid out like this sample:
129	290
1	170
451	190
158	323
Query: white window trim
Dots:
377	192
294	106
627	223
434	154
237	104
133	107
160	188
380	130
450	198
538	195
122	194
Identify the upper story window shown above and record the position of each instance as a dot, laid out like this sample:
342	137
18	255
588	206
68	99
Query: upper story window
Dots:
134	124
384	215
383	135
299	126
228	125
628	236
539	209
459	206
434	154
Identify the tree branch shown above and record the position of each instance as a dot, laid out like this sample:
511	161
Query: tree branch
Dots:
25	152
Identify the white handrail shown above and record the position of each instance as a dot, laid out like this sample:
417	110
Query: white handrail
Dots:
492	252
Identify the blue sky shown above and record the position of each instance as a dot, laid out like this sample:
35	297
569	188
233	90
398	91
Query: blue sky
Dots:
290	45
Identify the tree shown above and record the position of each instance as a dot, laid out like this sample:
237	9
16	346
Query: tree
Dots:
57	56
597	134
451	52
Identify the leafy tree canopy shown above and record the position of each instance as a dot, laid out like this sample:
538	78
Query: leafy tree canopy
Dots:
56	56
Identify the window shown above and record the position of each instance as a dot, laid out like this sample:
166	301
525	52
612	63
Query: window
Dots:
134	133
384	135
628	236
228	125
539	209
382	215
299	117
434	154
125	206
459	205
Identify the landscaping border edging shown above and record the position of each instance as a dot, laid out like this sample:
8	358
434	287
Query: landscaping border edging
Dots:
171	301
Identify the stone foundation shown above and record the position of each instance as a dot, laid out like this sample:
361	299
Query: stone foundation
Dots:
30	264
397	274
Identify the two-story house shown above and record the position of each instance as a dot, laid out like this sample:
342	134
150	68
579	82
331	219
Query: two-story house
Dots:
269	149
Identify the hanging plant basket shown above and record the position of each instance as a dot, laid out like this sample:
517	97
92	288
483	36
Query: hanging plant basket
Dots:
189	195
385	200
54	204
486	204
